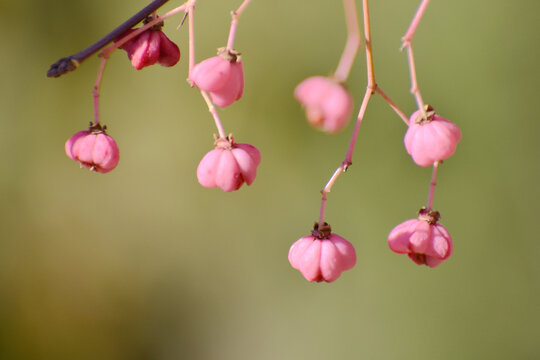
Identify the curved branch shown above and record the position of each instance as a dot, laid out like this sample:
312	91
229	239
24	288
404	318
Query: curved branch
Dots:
70	63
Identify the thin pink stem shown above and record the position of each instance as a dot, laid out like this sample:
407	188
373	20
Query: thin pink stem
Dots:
352	143
342	168
369	53
107	51
353	42
348	158
370	90
414	83
213	111
323	208
407	38
407	43
234	23
432	185
393	105
191	43
96	90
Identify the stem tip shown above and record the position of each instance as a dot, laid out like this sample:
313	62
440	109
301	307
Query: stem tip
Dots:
62	66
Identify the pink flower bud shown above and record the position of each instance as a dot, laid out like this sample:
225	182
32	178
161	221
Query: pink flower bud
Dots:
422	239
432	139
322	256
327	103
93	149
149	47
221	76
229	165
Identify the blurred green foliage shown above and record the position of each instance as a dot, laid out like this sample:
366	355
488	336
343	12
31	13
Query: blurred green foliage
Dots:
144	263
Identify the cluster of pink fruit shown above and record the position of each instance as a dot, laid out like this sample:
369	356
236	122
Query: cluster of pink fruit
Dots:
328	105
429	140
323	256
230	164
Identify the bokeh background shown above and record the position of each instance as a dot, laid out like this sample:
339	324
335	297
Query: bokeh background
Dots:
144	263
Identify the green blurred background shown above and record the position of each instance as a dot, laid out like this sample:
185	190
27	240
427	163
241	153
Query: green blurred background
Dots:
144	263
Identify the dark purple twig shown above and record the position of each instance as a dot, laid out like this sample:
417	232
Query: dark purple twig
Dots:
70	63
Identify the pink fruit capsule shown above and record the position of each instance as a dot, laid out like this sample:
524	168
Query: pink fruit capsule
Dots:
93	149
150	47
431	139
328	104
221	76
229	165
322	256
422	239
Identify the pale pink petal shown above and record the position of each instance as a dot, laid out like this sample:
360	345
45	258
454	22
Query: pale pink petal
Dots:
106	154
345	252
228	173
337	256
297	250
237	79
398	239
408	139
83	149
69	143
442	242
233	89
329	263
252	151
246	164
416	146
309	263
206	171
211	74
101	151
421	237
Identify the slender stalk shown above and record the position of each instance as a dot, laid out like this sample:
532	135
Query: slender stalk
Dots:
191	43
327	189
352	44
69	63
234	24
393	105
213	111
369	53
348	157
352	143
323	208
432	185
414	83
407	38
407	43
370	90
97	86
